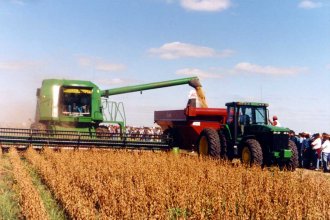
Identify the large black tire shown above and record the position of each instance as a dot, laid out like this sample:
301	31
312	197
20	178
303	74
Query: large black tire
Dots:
251	153
209	143
293	163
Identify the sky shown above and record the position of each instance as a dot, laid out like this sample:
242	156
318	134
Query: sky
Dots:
271	51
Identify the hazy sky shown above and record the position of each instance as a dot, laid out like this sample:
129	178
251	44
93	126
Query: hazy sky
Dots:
243	50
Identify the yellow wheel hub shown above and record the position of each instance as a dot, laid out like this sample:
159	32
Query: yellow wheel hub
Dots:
203	146
246	155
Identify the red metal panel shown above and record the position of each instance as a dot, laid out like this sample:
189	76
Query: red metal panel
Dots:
206	111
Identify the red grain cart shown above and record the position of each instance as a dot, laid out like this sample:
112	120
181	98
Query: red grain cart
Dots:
184	127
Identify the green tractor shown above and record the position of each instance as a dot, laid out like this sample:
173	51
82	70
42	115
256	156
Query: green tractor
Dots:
248	135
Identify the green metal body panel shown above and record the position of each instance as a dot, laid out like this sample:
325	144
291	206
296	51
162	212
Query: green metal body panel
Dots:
287	154
284	154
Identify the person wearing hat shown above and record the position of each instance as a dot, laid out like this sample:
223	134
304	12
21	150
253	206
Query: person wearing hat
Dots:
275	121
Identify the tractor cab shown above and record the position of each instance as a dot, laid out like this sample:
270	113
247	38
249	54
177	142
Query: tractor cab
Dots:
242	116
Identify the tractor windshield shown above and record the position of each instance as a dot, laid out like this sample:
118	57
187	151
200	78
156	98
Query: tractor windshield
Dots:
76	101
260	115
252	115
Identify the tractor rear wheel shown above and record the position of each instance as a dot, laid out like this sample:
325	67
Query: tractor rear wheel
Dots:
209	143
251	153
293	163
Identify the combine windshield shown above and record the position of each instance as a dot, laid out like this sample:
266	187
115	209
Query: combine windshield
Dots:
76	101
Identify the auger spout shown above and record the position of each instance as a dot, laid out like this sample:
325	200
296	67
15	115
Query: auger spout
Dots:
192	81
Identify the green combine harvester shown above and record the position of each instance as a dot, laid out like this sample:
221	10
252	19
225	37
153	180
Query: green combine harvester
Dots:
75	112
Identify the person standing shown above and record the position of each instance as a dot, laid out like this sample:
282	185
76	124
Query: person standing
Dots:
193	99
275	121
306	150
325	152
316	146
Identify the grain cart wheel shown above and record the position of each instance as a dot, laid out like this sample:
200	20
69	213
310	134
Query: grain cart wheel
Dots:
251	153
209	143
293	163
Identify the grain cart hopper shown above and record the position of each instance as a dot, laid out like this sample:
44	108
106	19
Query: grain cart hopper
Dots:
72	112
240	131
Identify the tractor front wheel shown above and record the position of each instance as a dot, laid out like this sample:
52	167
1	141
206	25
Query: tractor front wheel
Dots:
251	153
209	143
293	162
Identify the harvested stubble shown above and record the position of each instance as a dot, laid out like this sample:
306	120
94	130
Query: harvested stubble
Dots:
30	201
144	185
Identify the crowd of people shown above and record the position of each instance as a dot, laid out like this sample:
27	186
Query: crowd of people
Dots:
313	150
139	133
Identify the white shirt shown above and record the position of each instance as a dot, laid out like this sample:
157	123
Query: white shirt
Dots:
316	144
193	95
277	123
326	147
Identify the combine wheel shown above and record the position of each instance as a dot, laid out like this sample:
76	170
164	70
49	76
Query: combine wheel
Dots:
251	153
292	164
209	143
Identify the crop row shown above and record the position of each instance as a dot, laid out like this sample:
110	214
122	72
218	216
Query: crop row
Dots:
31	204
